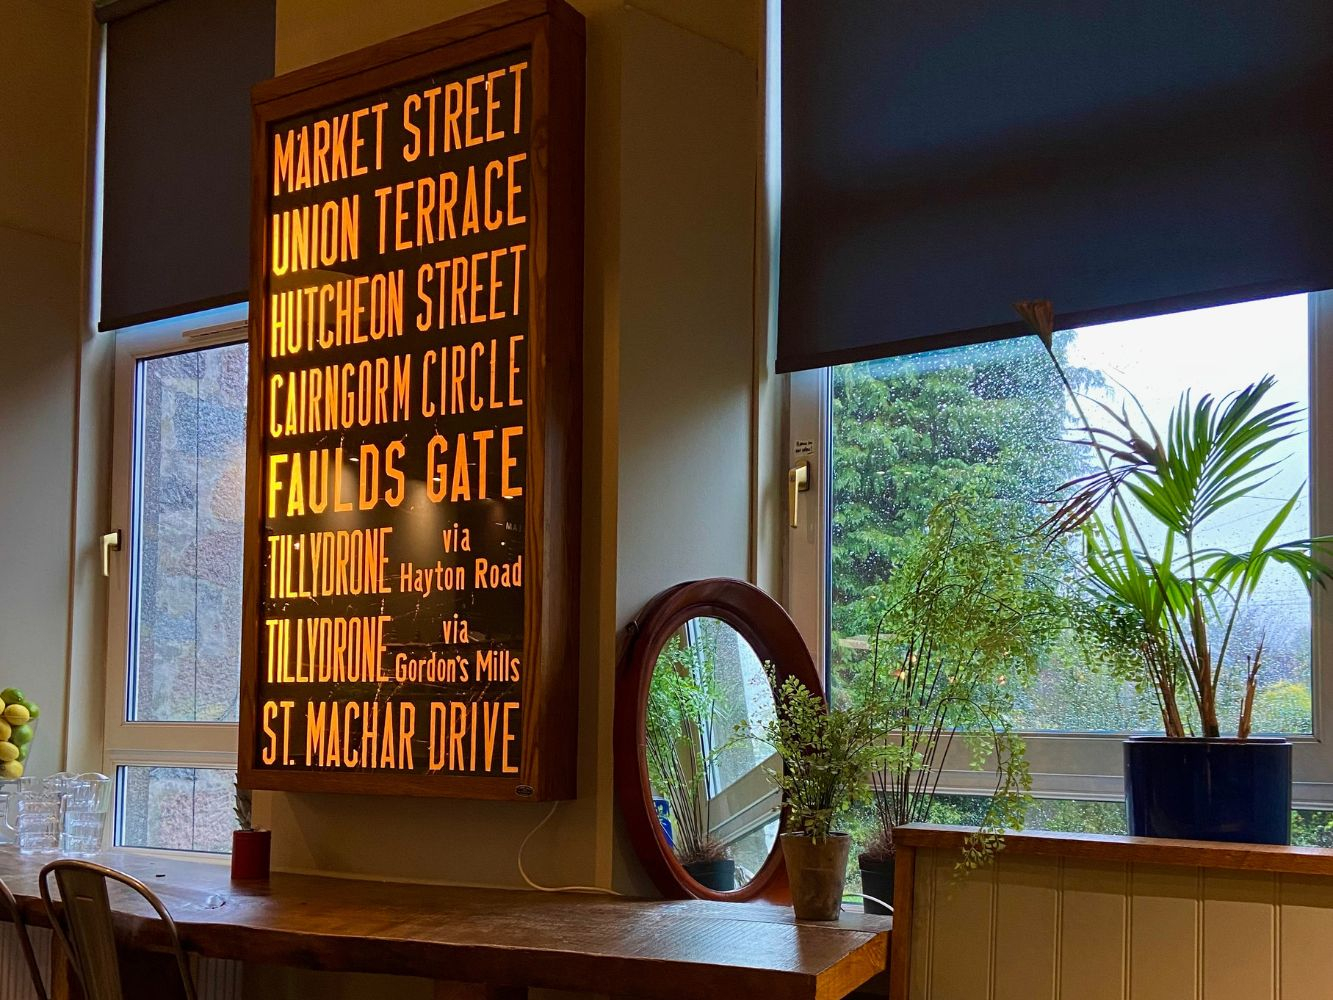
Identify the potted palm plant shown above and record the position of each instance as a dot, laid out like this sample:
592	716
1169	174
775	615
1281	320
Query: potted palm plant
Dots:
960	623
679	745
826	754
1166	598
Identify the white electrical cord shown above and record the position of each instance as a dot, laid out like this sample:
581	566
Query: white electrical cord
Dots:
553	888
866	895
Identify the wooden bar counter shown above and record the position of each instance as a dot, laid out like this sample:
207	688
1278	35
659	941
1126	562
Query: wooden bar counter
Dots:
500	940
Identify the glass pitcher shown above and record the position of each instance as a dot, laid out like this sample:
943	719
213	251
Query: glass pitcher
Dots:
38	817
85	804
7	833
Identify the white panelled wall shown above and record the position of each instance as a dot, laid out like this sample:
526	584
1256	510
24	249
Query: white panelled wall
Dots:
1033	928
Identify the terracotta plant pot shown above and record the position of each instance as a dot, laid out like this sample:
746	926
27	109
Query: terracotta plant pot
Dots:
250	851
817	871
877	881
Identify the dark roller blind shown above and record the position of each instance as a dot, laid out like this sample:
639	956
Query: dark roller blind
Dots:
943	159
175	232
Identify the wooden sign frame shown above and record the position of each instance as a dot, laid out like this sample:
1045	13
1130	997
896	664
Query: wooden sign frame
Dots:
553	34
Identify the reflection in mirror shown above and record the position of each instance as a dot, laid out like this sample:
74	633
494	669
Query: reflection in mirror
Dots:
718	811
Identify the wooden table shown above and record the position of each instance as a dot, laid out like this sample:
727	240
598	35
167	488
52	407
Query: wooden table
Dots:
489	942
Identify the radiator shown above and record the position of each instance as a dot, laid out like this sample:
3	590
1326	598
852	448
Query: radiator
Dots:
216	979
15	984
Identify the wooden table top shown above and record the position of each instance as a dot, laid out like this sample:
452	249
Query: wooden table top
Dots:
502	937
1281	858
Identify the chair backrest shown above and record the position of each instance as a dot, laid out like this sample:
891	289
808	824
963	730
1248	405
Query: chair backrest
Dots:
83	925
11	906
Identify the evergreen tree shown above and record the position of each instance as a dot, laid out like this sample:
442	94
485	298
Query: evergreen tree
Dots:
909	431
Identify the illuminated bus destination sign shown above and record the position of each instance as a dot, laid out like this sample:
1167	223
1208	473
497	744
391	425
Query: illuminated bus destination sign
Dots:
414	428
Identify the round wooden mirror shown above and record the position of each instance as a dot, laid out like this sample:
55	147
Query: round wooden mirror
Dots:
700	809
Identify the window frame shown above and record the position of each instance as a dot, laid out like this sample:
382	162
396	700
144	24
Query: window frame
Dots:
1070	765
151	744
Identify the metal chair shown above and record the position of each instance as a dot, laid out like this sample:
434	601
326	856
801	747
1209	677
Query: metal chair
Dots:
11	907
84	928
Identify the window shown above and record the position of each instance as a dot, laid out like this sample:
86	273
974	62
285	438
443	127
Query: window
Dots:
174	645
904	432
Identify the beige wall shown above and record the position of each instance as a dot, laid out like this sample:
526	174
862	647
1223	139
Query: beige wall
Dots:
672	160
672	166
1033	928
44	115
687	266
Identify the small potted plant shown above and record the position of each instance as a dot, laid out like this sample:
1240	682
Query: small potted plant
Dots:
960	624
826	754
1167	588
682	711
250	848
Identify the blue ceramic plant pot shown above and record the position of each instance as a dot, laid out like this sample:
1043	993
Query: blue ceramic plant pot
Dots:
663	808
1196	789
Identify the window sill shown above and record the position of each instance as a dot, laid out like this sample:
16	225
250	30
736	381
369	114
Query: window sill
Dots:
177	854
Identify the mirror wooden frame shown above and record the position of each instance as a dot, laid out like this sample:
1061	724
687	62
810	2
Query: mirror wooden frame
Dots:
774	637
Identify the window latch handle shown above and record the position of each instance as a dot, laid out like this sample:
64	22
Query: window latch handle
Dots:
110	543
798	482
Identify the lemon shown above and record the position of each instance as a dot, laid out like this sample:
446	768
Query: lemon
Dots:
8	752
5	730
11	770
16	715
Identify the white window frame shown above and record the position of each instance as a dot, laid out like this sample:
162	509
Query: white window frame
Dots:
1073	765
151	744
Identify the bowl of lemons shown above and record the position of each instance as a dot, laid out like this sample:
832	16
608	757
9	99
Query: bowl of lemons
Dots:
18	715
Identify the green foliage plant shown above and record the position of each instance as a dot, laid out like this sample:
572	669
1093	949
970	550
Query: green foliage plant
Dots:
1174	608
682	709
826	754
961	623
244	808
